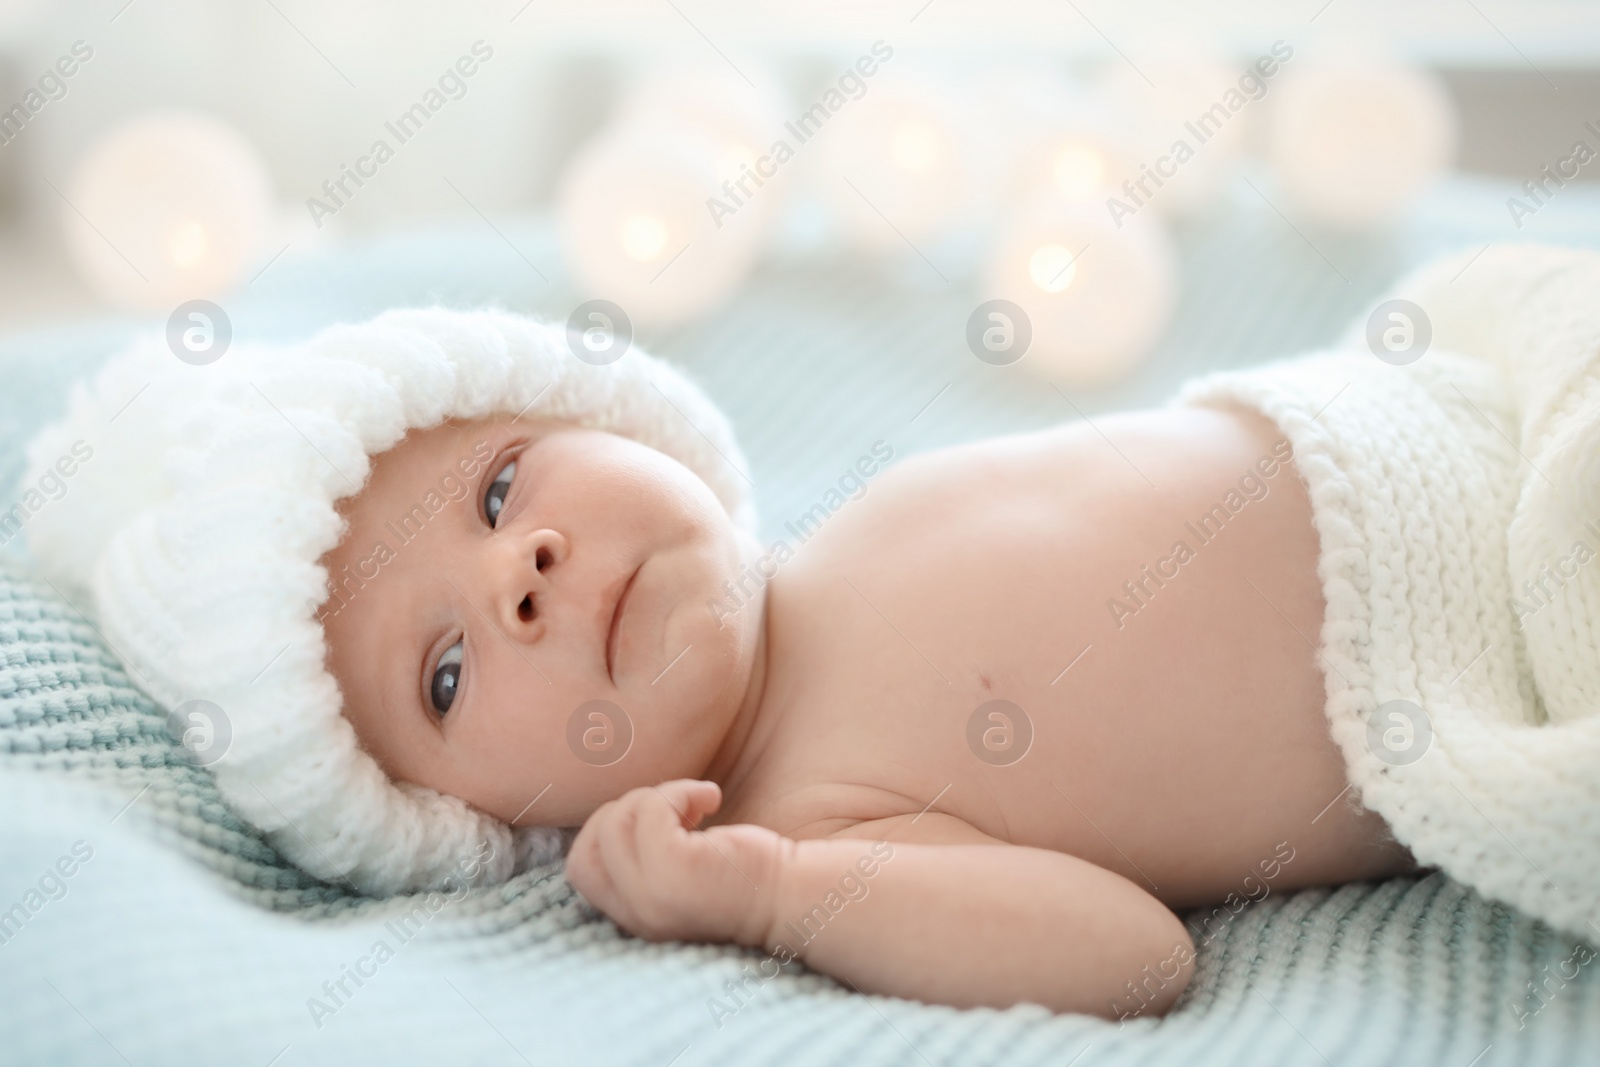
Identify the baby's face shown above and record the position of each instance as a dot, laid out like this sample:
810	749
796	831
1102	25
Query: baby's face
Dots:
476	609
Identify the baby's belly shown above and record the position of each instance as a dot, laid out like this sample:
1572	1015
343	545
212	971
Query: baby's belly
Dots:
1101	640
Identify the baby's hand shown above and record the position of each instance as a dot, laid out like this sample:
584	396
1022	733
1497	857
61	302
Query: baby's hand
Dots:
640	860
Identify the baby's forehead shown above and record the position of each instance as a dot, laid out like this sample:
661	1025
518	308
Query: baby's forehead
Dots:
446	459
454	445
449	433
443	459
463	435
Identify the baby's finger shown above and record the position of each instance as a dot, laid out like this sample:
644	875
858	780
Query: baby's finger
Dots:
692	799
666	813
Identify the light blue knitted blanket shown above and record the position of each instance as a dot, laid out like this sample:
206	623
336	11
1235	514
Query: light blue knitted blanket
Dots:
179	936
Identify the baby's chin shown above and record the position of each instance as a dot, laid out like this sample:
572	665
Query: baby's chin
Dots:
703	630
696	668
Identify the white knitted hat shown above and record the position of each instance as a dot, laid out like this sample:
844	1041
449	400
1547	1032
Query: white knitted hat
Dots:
200	499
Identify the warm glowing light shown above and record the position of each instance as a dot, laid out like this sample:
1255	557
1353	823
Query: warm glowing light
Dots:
1090	326
187	244
1052	268
1079	171
665	211
896	156
167	207
733	160
915	146
1353	144
643	237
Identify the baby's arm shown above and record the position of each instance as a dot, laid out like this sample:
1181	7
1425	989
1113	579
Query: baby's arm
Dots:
948	914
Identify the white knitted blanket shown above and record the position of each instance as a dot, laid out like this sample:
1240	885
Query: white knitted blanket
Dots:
1458	502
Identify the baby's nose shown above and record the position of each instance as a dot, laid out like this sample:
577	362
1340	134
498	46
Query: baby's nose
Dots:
524	579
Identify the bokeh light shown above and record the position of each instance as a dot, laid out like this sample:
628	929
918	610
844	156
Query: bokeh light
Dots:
1098	296
892	166
168	207
1353	142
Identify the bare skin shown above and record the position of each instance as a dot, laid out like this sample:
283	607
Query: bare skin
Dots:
802	776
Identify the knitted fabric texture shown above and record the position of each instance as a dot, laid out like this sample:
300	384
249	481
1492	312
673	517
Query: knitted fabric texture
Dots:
194	536
1458	503
1410	970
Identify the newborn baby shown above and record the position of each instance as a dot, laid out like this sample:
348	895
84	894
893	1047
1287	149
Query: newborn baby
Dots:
973	737
971	744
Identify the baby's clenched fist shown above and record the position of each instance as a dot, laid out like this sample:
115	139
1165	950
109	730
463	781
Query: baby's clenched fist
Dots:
640	860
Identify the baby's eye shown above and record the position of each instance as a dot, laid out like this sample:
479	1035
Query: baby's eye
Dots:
446	679
496	496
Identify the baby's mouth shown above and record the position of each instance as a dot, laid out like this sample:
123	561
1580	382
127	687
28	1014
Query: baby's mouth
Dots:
614	633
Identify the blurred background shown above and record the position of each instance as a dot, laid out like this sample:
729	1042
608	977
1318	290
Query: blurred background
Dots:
856	225
832	214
